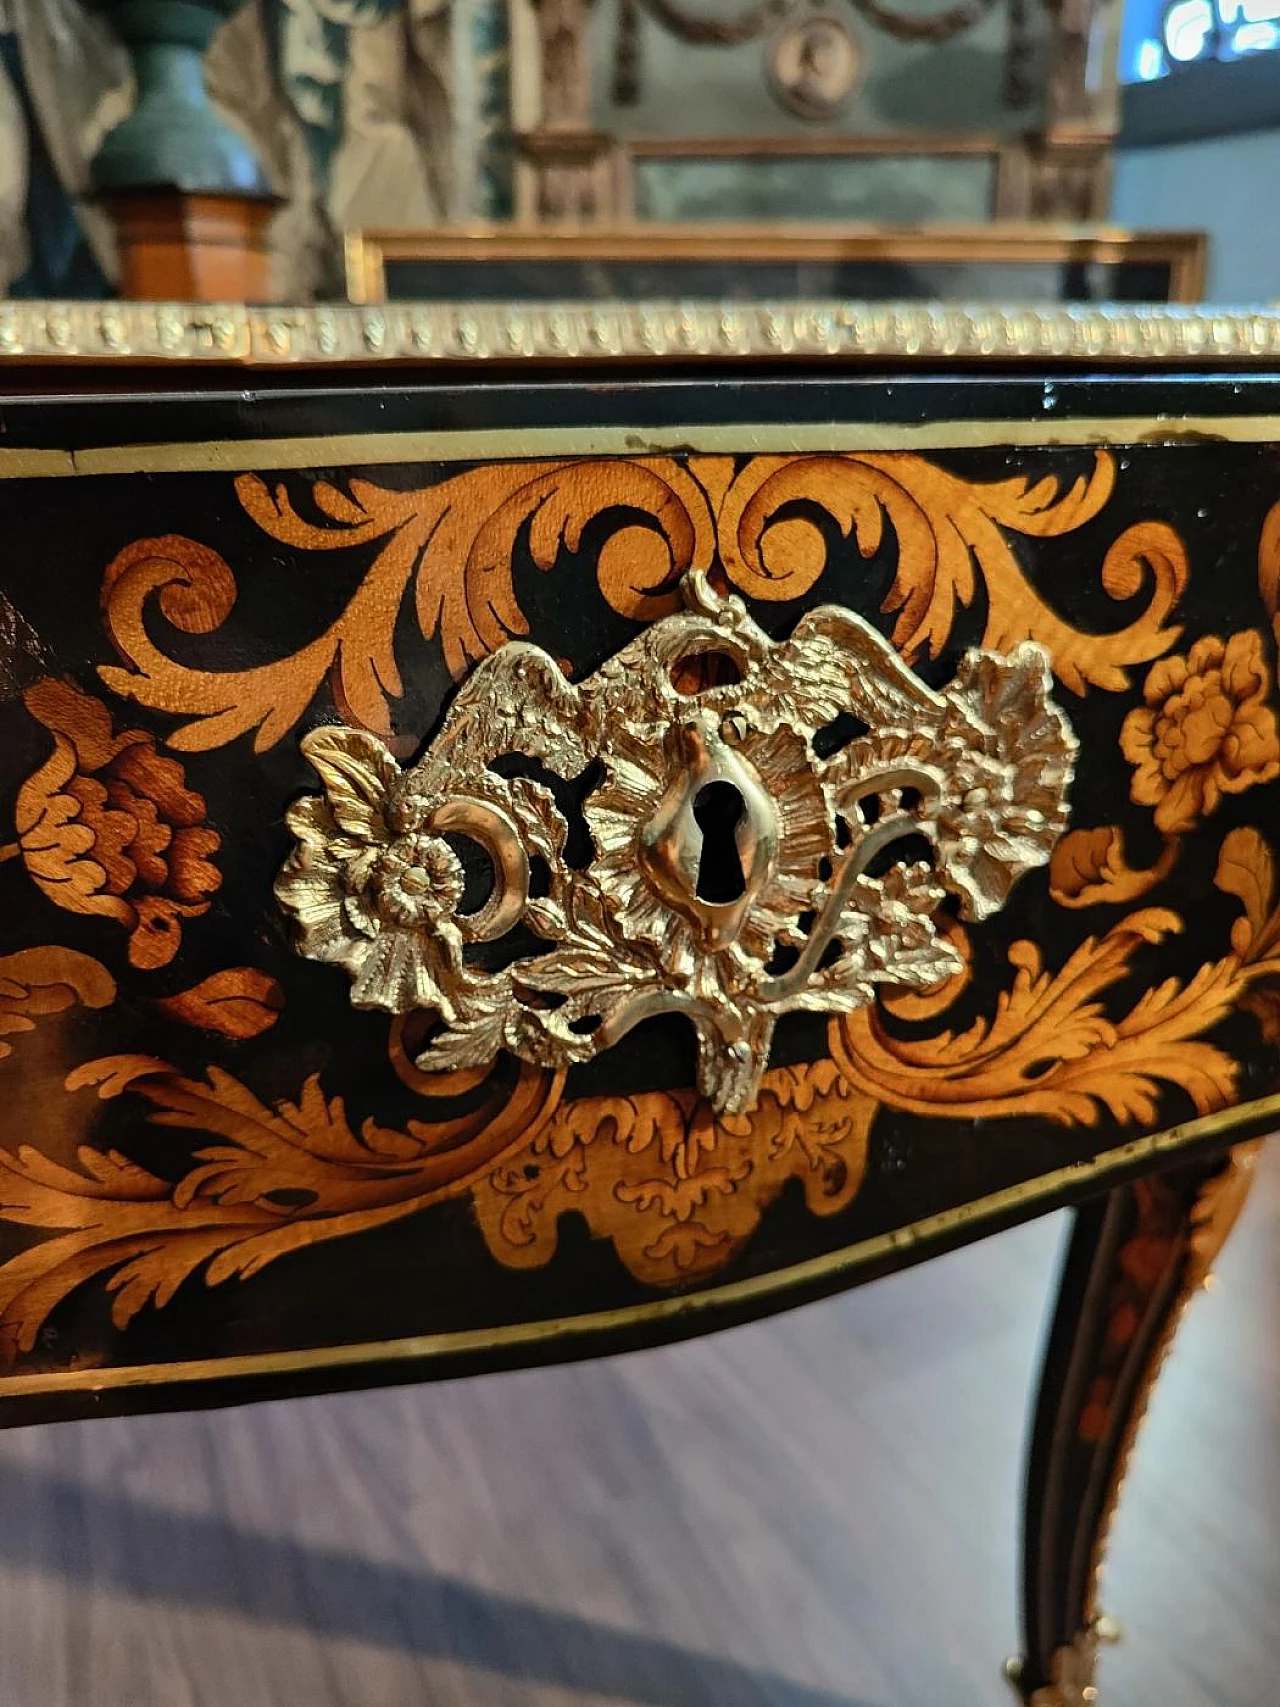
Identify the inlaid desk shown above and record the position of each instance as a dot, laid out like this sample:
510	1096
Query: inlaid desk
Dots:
529	833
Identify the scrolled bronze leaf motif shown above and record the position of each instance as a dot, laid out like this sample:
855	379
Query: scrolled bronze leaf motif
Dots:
742	868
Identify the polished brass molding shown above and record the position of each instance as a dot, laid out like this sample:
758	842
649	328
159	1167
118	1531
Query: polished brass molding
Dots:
734	876
234	335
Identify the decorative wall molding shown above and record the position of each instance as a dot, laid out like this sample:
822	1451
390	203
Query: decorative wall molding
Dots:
1056	116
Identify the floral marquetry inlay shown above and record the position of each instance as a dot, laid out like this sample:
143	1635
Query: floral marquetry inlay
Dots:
677	1188
986	857
448	551
1206	728
109	826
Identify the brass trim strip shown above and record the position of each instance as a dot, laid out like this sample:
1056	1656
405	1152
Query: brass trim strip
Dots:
234	456
327	335
424	1347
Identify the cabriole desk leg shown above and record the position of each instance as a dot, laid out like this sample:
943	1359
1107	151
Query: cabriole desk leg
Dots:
1135	1258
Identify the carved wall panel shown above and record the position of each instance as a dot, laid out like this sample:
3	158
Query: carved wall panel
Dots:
901	107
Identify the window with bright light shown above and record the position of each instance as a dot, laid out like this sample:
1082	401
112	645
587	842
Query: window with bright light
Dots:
1160	35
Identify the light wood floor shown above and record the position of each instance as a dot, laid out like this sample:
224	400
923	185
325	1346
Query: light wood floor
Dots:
818	1511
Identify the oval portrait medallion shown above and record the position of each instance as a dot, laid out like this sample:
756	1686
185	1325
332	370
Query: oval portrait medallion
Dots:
815	65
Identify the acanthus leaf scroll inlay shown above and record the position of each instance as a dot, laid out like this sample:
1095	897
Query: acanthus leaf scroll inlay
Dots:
745	827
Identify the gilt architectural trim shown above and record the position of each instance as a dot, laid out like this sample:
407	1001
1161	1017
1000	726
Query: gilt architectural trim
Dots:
236	335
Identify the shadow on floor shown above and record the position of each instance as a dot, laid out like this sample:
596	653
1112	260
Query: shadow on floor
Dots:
61	1528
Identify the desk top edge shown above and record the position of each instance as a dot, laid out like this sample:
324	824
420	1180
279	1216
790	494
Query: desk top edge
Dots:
237	335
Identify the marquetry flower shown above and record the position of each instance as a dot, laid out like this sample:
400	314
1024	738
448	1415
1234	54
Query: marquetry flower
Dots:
371	887
1006	755
1205	730
108	826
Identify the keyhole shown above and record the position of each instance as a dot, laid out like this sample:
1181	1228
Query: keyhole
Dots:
718	809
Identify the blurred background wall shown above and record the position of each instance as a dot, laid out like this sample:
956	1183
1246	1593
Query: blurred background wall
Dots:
1200	137
1217	185
322	116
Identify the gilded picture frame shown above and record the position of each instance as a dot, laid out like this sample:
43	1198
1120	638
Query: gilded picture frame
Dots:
998	261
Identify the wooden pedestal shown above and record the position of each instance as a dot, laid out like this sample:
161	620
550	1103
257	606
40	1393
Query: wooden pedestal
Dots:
195	247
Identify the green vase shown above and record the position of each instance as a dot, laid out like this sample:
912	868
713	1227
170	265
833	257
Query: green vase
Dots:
173	138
